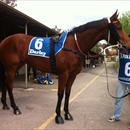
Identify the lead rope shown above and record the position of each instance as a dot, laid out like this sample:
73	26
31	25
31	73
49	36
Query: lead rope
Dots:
109	89
107	72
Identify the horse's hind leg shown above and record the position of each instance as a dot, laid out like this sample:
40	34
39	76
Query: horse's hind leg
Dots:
3	98
61	86
70	81
3	87
9	78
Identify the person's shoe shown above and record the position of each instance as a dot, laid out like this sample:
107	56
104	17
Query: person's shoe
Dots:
113	119
51	82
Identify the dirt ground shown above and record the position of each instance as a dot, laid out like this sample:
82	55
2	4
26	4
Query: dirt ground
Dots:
90	104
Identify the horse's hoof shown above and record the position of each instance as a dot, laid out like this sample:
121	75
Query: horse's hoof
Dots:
17	112
5	107
68	116
59	120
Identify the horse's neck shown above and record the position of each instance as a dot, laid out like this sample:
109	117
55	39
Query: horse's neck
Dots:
88	40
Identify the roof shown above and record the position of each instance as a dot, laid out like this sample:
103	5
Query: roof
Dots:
13	21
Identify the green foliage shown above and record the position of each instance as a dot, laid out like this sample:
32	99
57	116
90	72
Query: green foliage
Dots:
125	21
96	49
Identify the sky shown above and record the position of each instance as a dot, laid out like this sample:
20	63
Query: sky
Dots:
66	14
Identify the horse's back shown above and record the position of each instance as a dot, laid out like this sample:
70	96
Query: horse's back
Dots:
15	41
14	46
15	38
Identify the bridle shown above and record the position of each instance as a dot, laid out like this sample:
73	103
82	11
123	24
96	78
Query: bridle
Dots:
111	31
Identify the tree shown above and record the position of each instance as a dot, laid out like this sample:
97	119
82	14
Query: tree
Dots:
10	2
96	48
125	20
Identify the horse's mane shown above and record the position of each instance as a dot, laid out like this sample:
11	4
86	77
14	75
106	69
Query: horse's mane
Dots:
86	26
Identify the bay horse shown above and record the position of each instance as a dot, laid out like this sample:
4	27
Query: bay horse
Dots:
69	61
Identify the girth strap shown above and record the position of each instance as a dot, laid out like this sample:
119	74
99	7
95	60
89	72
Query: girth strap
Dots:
52	56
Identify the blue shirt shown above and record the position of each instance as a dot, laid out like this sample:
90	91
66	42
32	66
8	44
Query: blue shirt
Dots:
124	68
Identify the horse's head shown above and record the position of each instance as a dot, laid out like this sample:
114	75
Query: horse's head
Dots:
117	35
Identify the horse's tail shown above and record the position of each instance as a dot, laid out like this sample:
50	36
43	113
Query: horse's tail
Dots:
2	76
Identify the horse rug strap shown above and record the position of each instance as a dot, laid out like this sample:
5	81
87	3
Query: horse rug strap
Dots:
52	55
40	46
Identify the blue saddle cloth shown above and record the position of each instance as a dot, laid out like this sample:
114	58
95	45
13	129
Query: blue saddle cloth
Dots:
40	46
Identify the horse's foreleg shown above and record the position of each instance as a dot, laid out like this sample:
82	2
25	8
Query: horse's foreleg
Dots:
9	77
58	118
70	81
61	86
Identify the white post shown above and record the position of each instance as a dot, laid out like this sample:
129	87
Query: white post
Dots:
26	71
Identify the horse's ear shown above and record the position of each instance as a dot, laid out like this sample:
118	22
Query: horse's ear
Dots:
114	16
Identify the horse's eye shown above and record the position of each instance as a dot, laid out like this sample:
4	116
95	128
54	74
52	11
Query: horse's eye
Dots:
117	24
